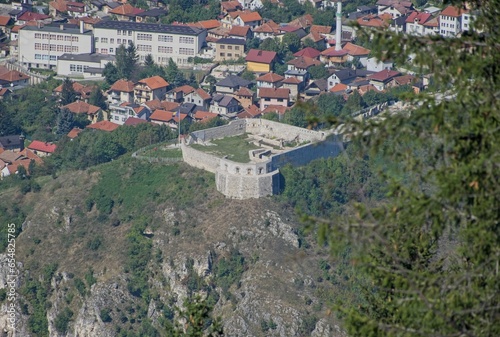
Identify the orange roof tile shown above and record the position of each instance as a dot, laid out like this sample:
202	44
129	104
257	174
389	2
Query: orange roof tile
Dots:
123	86
208	24
186	89
321	29
250	112
80	107
126	9
271	78
279	109
274	93
453	11
355	50
239	31
162	115
338	87
4	20
250	16
74	133
154	82
244	92
37	145
13	76
103	126
204	115
31	155
203	94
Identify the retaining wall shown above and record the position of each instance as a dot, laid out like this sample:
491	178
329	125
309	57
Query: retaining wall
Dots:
234	128
272	129
200	159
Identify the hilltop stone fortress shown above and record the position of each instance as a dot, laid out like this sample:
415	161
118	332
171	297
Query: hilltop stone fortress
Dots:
259	177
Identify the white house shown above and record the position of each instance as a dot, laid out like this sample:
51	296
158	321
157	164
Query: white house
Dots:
82	65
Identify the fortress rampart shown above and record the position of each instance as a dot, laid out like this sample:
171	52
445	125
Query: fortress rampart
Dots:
260	177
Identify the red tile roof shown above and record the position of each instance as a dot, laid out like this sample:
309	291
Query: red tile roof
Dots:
260	56
203	94
230	5
164	105
204	115
453	11
338	87
134	121
13	76
239	31
4	20
292	80
37	145
332	52
74	133
321	29
206	24
30	16
290	28
186	89
127	10
308	52
420	18
375	21
123	86
384	75
104	126
304	21
250	112
268	27
279	109
244	92
31	155
355	50
304	62
17	28
250	16
274	93
154	82
271	78
80	107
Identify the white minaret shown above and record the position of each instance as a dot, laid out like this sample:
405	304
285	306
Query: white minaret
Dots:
338	32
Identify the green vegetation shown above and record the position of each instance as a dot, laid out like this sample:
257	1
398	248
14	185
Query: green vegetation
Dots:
235	148
62	320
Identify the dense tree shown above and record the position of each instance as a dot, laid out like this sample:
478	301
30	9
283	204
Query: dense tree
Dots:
68	93
126	60
431	250
318	72
110	72
97	98
353	104
64	121
291	41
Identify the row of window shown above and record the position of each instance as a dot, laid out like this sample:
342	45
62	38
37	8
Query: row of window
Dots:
57	37
124	32
186	51
229	47
77	68
229	55
144	37
105	51
187	40
59	48
45	57
144	47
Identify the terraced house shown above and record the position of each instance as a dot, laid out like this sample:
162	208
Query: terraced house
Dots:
161	41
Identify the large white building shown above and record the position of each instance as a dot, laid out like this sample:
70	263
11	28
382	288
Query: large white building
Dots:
161	41
40	46
450	21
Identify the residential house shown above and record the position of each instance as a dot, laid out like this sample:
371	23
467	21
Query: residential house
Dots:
79	108
238	32
163	42
162	105
450	21
109	6
13	143
42	149
106	126
27	16
251	4
315	37
395	8
126	12
260	61
199	97
302	63
133	121
273	96
277	109
415	23
120	113
375	21
82	91
5	23
230	6
203	116
231	84
152	15
250	112
373	64
14	78
86	65
41	46
343	76
177	94
150	88
308	52
305	21
224	105
74	133
379	80
245	96
229	49
410	80
355	52
269	29
316	88
295	85
67	8
247	18
269	80
297	30
5	93
121	91
332	57
168	118
10	161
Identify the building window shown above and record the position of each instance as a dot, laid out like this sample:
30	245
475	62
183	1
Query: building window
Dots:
111	50
119	41
165	50
104	40
186	51
74	49
38	36
60	48
222	47
112	41
230	47
96	39
38	56
104	50
119	32
187	40
222	54
165	38
75	39
236	47
38	46
144	37
60	38
144	47
129	33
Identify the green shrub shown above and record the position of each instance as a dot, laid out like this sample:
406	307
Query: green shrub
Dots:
62	320
105	315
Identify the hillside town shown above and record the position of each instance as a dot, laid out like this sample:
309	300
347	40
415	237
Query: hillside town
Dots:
241	63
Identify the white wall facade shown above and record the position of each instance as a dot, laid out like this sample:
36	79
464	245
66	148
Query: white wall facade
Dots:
161	41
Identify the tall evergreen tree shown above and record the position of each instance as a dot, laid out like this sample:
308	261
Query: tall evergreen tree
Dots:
68	93
97	98
110	72
65	121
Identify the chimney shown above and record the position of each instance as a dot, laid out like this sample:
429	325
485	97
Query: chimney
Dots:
61	26
338	32
81	26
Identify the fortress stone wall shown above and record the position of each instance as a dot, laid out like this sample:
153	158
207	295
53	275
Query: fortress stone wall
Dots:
261	178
